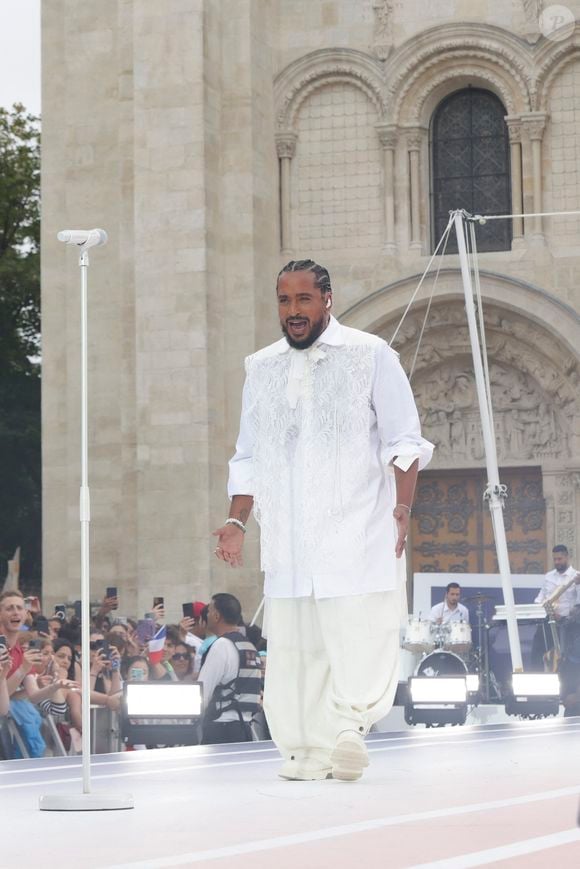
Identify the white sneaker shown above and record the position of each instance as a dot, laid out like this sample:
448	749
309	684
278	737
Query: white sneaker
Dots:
292	771
349	757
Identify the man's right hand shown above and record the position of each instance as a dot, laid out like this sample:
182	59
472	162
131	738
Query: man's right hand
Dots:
230	544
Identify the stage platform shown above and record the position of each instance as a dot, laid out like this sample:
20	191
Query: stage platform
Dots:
447	799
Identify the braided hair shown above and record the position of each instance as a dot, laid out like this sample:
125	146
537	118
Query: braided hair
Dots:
321	276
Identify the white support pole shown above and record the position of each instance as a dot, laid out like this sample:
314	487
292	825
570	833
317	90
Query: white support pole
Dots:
87	801
495	491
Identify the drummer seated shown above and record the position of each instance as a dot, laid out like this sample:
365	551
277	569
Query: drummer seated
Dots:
449	610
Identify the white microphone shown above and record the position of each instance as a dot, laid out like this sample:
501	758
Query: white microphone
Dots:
84	238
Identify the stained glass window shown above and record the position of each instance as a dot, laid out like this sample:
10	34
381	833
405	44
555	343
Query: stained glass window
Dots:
470	166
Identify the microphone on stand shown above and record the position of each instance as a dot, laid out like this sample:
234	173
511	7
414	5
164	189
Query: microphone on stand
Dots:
83	238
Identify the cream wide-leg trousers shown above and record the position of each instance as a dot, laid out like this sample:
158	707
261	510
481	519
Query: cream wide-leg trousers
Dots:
333	665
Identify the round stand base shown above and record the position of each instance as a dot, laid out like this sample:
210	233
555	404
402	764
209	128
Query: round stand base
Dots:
85	802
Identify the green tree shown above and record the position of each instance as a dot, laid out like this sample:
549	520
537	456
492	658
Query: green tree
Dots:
20	453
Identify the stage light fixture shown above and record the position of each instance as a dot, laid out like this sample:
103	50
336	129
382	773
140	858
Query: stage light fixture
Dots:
166	713
436	700
472	681
534	695
163	699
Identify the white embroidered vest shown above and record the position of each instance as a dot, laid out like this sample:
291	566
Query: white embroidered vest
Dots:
312	462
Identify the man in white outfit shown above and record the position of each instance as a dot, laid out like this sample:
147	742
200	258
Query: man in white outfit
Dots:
328	454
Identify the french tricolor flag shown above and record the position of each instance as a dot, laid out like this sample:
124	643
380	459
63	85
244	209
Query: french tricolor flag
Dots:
157	645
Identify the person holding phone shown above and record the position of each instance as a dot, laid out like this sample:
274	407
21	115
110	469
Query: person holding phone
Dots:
12	618
47	686
5	664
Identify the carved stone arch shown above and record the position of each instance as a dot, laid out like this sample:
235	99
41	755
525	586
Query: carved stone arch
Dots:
423	96
534	394
537	305
558	59
534	367
313	71
486	52
440	76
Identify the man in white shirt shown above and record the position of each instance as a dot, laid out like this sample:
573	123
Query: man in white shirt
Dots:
562	573
450	610
328	454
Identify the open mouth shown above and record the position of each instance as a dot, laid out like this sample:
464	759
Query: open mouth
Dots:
297	328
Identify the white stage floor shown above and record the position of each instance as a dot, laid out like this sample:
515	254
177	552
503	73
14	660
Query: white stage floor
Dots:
447	798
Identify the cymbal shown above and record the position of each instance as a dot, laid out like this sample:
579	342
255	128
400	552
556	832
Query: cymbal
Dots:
479	597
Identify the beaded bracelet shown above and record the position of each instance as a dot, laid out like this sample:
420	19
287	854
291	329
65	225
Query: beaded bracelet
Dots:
237	522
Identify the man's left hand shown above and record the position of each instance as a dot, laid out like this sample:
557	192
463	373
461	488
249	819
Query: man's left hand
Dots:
401	515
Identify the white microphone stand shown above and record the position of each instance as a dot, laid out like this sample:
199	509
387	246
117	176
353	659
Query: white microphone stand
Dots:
87	800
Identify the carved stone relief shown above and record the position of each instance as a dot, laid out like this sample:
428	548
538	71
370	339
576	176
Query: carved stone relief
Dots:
532	9
565	514
534	395
383	35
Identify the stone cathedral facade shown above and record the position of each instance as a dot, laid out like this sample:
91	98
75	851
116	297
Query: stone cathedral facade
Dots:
216	139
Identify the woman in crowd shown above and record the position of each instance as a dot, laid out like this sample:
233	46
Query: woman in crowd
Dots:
135	669
48	684
182	662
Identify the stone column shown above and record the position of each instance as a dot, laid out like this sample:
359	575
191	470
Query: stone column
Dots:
388	138
514	126
415	139
286	148
534	123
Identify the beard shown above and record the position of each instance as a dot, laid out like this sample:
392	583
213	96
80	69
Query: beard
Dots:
561	568
316	330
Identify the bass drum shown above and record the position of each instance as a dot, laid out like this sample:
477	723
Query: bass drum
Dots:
441	664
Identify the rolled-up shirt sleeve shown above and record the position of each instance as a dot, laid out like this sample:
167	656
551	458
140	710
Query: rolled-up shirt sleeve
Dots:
396	412
241	465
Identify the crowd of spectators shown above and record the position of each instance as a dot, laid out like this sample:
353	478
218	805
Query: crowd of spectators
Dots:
41	661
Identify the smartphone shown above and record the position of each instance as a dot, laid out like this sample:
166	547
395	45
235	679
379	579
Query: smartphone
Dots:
187	610
28	603
78	609
98	645
60	611
145	630
35	644
41	625
106	649
158	601
3	641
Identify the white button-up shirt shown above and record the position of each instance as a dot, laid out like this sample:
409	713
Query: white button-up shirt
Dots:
442	611
554	580
320	429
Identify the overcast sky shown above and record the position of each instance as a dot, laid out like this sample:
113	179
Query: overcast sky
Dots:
20	54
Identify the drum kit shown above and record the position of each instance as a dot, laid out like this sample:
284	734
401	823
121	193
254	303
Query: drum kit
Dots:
447	649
